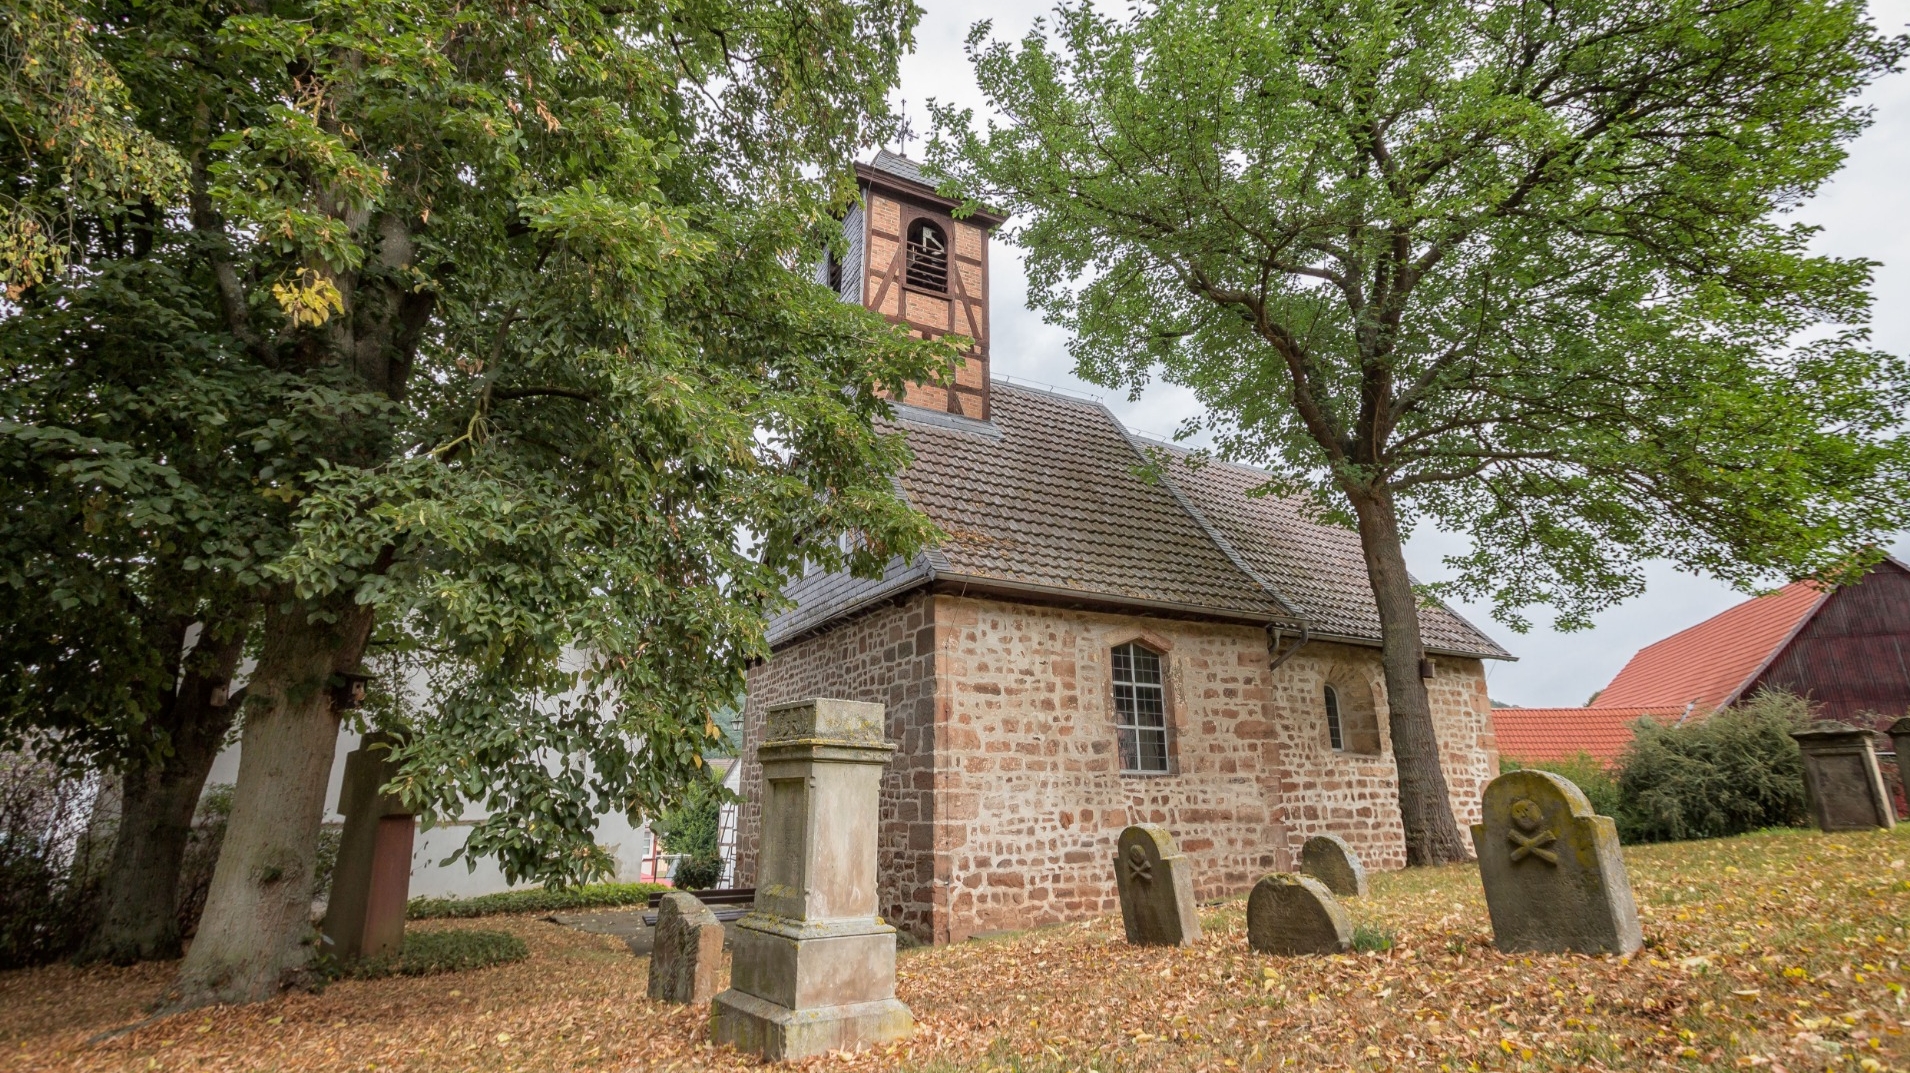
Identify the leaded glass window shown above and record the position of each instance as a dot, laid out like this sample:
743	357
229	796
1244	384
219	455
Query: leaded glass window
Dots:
1140	710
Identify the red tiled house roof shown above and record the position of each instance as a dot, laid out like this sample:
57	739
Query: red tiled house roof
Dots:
1538	735
1710	665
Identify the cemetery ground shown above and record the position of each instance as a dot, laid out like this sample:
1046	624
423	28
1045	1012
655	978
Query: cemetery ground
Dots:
1782	951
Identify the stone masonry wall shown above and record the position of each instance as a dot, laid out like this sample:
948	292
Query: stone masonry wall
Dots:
1003	806
885	655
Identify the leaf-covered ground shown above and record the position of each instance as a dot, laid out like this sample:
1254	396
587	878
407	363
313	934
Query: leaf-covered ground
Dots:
1780	951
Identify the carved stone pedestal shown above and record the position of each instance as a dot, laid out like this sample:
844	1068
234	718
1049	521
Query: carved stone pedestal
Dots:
812	968
365	915
1841	779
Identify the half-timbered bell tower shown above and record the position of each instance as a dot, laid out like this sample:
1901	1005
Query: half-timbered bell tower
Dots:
911	260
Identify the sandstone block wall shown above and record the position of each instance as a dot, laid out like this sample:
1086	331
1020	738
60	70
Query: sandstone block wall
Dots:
1006	798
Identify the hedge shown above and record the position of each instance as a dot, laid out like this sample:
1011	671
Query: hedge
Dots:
534	900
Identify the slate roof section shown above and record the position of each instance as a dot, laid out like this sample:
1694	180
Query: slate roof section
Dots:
1052	496
1712	663
1318	567
901	167
1538	735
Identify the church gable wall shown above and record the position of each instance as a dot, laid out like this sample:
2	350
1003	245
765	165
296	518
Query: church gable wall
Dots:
885	655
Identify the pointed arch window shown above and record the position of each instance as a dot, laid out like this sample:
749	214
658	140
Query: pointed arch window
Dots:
1140	709
927	257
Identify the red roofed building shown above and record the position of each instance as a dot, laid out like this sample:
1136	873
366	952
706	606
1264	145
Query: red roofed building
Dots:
1847	650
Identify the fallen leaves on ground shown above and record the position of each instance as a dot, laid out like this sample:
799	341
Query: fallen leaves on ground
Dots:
1781	951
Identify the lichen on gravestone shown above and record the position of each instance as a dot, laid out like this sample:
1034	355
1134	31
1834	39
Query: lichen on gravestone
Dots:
1554	878
687	951
1330	860
1157	888
1295	914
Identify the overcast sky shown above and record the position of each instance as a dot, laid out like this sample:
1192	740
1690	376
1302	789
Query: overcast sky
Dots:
1864	213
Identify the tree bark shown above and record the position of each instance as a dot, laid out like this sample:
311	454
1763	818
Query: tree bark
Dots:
139	896
1425	807
255	938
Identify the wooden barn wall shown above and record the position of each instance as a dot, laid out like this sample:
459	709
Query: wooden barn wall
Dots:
1854	656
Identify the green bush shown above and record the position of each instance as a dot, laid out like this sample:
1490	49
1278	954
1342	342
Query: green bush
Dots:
534	900
1585	771
691	830
426	953
1737	771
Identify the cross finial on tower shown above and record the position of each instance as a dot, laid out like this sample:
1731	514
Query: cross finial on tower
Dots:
903	130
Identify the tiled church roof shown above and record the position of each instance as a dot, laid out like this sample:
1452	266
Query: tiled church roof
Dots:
1052	497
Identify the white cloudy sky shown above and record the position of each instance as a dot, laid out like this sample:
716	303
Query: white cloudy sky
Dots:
1864	213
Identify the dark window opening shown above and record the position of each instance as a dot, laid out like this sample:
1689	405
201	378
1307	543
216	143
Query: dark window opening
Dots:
928	257
1333	732
1140	710
835	273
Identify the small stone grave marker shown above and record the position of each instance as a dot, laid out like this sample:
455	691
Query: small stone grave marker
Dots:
1842	780
1553	876
1157	888
1295	914
365	915
1900	741
1330	860
688	947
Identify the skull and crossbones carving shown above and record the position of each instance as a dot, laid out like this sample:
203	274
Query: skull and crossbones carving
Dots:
1526	838
1139	868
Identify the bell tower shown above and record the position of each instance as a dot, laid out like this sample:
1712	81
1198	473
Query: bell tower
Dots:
912	261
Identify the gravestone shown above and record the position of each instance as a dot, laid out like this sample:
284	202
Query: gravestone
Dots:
1295	914
1330	860
687	950
1553	876
365	914
1900	741
812	968
1157	888
1841	779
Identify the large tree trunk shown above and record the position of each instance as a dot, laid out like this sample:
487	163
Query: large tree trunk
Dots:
255	936
139	910
1432	837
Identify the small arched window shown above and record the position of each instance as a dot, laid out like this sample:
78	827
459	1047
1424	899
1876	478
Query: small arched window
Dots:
1334	734
1140	709
927	257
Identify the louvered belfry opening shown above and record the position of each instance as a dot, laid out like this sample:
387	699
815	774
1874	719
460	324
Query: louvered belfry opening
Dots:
928	257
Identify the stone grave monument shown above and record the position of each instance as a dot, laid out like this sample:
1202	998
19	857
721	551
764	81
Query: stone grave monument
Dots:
1295	914
812	969
365	915
1157	888
1553	876
1900	741
1841	779
1330	860
687	951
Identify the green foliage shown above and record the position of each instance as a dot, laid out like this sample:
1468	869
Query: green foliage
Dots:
427	953
65	119
692	829
480	317
534	900
1736	771
1369	939
1520	270
1588	773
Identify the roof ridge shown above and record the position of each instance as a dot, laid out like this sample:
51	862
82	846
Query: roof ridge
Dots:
1226	547
1823	597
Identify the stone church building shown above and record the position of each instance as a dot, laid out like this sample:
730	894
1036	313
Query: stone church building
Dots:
1108	635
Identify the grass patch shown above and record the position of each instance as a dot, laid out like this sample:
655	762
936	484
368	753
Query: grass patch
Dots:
427	953
1368	939
534	900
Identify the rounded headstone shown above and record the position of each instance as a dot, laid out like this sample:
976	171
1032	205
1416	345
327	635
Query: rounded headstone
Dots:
1330	860
1156	887
1295	914
1551	868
